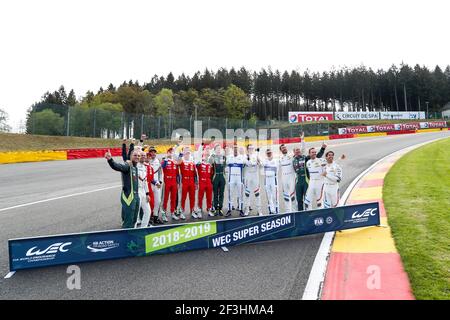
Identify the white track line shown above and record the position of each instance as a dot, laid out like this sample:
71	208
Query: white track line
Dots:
317	276
10	274
57	198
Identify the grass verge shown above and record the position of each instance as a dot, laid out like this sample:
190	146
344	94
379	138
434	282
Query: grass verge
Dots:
416	195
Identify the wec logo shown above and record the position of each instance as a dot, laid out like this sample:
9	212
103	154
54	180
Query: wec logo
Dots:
365	214
54	248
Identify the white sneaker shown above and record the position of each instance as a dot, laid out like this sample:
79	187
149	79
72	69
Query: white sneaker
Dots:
194	215
212	213
182	216
199	215
260	214
246	213
164	217
174	217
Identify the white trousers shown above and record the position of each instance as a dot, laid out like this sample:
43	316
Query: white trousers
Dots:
252	190
288	185
235	192
145	205
271	185
313	194
330	195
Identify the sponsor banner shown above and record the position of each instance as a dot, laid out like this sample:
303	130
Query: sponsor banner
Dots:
381	128
432	125
295	117
393	127
407	126
402	115
353	130
356	115
47	251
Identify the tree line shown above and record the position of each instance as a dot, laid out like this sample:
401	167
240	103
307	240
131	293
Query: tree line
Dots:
265	95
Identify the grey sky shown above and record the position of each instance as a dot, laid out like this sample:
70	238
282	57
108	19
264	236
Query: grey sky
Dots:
87	44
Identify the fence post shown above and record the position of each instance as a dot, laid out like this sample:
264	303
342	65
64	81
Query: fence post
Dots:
68	121
226	126
95	118
159	127
122	127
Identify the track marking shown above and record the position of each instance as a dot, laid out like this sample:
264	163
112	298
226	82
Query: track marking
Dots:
57	198
318	271
225	249
10	274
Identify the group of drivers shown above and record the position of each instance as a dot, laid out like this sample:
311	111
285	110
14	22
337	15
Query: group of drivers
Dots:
306	181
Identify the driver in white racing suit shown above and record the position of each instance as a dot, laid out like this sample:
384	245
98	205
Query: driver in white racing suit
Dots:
287	179
315	167
235	166
157	192
332	176
271	167
251	180
144	198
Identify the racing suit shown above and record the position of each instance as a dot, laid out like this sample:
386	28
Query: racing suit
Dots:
143	194
288	182
235	166
205	174
331	185
251	182
188	182
157	171
271	184
130	196
315	188
170	169
301	175
218	163
151	181
179	151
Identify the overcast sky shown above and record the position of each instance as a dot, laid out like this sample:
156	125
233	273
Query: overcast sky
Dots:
87	44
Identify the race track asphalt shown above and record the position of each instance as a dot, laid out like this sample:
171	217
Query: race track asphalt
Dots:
271	270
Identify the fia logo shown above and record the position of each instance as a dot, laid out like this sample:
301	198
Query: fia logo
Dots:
318	221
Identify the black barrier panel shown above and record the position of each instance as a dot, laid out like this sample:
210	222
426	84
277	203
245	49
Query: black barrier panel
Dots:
47	251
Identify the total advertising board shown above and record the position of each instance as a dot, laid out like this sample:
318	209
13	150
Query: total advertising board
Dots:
306	116
26	253
393	127
295	117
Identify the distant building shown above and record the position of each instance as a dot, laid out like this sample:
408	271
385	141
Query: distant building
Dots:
446	111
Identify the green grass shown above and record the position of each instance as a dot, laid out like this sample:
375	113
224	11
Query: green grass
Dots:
17	142
416	195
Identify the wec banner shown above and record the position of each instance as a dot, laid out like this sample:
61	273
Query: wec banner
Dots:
47	251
